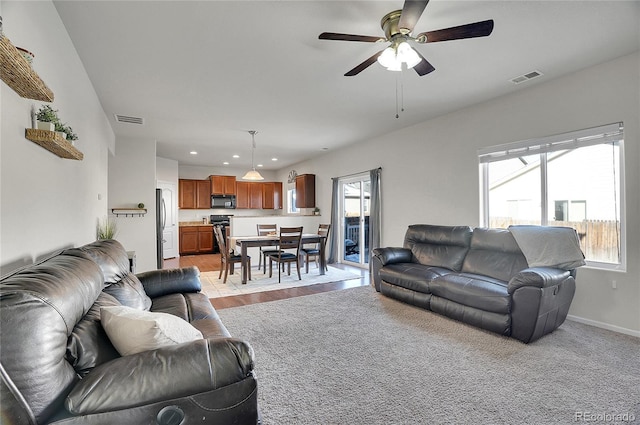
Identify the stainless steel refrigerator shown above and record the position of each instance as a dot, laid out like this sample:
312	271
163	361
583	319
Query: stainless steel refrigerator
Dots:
161	219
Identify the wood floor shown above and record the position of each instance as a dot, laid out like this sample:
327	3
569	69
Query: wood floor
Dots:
211	262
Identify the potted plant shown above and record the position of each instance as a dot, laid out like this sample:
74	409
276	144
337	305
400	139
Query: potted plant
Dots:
106	229
47	118
66	131
316	211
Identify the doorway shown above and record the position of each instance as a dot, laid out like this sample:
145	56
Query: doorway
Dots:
355	196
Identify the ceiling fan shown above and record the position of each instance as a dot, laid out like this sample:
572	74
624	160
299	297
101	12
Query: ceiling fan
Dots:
398	26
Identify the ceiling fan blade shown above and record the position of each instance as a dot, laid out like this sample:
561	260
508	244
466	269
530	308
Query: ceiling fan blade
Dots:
349	37
411	12
477	29
364	65
423	67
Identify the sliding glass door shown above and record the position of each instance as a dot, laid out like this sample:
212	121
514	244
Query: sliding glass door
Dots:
355	200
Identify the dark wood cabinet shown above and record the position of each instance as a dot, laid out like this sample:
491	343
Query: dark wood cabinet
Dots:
194	194
255	195
203	194
249	195
205	239
223	185
242	195
188	240
187	194
196	240
259	195
272	195
306	191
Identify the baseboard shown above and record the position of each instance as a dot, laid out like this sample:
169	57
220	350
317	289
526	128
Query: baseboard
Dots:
603	325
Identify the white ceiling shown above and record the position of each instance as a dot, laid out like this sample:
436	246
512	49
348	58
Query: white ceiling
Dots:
202	74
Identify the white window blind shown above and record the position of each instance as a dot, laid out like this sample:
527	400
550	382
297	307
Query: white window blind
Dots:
572	140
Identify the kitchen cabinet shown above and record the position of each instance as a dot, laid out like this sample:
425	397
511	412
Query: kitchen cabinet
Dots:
194	194
223	185
249	195
188	240
306	191
196	240
272	195
205	239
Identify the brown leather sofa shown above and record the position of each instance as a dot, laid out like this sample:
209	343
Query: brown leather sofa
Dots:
58	365
482	277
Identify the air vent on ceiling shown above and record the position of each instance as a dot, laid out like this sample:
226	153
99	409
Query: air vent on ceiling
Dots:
526	77
128	119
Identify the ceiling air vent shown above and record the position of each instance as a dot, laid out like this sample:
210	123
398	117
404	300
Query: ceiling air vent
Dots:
526	77
128	119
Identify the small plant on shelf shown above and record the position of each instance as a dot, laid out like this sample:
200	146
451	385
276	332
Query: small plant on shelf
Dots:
106	229
47	114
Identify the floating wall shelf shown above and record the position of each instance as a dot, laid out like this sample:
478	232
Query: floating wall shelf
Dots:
54	143
140	212
18	74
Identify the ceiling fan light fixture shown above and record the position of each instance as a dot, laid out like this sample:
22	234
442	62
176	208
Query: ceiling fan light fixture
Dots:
407	55
387	58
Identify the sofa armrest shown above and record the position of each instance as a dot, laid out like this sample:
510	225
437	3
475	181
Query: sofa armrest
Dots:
163	374
162	282
392	255
538	277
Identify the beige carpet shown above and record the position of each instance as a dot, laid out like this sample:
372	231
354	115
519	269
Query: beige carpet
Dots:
214	288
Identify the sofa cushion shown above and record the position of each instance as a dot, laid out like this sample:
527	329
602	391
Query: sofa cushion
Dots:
494	253
133	331
481	292
89	346
110	256
439	246
130	292
187	306
414	276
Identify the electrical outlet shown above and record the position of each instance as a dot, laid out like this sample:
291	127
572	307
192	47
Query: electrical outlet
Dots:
614	284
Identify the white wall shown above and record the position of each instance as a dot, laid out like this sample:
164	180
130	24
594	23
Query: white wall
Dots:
46	202
132	179
430	170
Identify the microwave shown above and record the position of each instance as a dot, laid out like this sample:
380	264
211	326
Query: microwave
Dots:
223	201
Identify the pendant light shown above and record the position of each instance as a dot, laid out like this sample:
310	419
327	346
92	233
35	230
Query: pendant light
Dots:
252	174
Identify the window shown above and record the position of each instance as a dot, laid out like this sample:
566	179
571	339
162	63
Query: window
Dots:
291	200
574	179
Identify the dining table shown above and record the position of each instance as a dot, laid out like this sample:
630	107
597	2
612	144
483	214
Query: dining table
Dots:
245	242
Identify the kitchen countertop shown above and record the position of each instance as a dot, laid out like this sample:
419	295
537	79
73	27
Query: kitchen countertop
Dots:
193	223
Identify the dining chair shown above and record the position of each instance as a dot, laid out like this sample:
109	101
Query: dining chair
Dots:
264	230
314	252
227	259
290	238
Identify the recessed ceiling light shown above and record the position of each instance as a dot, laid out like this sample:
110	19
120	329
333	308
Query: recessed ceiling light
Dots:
236	156
259	165
193	153
274	159
225	163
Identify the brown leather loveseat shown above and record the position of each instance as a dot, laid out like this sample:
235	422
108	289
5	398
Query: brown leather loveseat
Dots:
59	366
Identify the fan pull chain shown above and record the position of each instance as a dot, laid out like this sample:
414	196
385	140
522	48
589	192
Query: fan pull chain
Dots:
397	115
400	94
